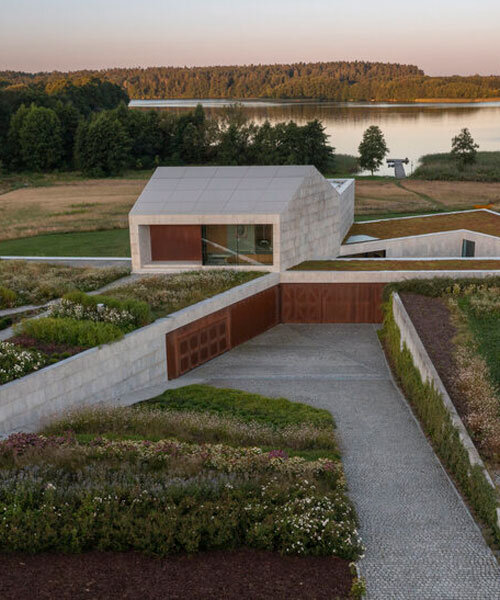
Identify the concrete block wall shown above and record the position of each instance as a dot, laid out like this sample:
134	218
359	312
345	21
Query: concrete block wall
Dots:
107	373
310	228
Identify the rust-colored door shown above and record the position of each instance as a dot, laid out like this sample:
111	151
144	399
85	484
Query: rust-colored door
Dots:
175	242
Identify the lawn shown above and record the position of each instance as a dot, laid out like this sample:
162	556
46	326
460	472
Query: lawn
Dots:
397	265
481	220
171	478
113	242
444	167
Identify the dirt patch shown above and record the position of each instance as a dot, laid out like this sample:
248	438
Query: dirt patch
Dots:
220	575
432	321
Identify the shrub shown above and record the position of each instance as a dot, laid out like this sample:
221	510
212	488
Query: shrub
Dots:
438	425
278	412
7	297
126	314
69	331
437	286
16	362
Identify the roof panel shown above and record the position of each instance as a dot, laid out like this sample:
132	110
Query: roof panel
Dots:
221	190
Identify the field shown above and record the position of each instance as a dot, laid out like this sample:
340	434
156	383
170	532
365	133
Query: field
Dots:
388	197
444	167
38	207
78	206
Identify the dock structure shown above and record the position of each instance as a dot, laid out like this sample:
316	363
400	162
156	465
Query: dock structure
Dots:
397	163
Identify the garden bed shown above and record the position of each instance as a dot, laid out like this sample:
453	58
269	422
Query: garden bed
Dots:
247	574
398	265
196	470
24	282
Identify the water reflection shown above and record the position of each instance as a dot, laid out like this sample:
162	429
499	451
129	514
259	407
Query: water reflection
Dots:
411	130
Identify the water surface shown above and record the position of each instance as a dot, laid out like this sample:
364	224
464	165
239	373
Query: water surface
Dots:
411	130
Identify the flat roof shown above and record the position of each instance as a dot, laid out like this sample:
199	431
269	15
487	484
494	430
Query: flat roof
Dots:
220	190
481	220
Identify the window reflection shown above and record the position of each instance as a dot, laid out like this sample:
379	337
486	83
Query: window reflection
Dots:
237	244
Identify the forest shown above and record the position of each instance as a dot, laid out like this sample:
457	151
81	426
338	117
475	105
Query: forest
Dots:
86	125
335	81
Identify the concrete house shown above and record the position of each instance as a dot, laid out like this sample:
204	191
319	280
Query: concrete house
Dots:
251	218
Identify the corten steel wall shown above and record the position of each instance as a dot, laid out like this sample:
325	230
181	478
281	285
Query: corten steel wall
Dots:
175	242
206	338
331	302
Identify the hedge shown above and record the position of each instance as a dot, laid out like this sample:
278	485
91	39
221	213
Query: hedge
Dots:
436	421
69	331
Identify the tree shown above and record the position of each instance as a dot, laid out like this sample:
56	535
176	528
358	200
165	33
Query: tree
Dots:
372	149
102	145
40	139
463	148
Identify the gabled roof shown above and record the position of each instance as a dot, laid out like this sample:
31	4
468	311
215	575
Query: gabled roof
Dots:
220	190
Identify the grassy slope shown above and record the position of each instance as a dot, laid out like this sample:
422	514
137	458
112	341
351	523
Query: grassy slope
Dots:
396	265
444	167
483	221
114	242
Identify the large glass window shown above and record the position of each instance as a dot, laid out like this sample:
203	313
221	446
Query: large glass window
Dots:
237	244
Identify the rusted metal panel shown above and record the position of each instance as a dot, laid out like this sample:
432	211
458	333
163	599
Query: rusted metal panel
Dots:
331	302
197	342
175	242
254	315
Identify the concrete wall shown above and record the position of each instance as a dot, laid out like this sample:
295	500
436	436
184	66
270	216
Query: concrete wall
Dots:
423	363
446	243
312	227
105	374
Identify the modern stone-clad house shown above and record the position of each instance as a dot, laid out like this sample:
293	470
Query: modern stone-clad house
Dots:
259	218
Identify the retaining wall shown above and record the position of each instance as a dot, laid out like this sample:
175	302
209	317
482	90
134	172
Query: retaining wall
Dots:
105	374
423	363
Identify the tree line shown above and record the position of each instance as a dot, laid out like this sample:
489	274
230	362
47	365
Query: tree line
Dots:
50	132
337	81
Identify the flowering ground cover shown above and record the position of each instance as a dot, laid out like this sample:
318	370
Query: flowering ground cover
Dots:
23	282
80	321
168	479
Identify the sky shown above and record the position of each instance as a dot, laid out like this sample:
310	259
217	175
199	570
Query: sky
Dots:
443	37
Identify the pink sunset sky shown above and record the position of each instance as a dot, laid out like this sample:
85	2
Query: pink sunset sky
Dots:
441	36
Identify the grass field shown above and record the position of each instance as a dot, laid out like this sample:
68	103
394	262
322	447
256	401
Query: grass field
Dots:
444	167
114	242
38	205
79	206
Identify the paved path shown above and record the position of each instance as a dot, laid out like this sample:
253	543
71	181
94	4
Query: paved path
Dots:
421	540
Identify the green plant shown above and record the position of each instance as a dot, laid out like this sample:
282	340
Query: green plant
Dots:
16	362
277	412
127	314
69	331
437	423
7	297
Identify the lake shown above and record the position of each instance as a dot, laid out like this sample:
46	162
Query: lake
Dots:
411	130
